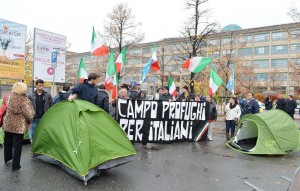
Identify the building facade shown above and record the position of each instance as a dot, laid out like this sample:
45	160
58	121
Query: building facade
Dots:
270	55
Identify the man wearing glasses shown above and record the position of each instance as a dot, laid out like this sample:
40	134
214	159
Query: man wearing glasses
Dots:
41	101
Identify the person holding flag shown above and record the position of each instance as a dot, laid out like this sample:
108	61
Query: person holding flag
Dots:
186	95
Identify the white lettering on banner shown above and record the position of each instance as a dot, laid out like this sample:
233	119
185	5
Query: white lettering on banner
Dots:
120	103
154	109
146	108
128	127
171	110
139	109
130	111
159	130
193	114
177	109
202	111
166	106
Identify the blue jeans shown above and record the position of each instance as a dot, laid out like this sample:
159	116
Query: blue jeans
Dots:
33	126
230	124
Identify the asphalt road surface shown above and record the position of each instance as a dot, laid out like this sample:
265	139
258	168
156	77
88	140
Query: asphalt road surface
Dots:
182	166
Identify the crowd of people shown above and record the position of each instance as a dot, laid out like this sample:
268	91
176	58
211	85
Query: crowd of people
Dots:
20	110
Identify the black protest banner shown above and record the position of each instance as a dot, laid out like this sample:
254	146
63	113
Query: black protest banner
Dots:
162	121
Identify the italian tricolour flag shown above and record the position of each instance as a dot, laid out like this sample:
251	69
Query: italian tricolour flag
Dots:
196	64
214	82
110	72
120	62
172	87
82	73
154	65
97	48
114	94
108	82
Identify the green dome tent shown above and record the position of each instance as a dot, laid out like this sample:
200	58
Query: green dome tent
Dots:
271	132
82	139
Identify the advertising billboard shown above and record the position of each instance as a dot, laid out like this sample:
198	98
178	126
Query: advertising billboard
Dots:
12	51
45	43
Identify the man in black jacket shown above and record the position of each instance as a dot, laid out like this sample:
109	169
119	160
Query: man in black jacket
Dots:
166	96
281	103
41	101
103	100
86	91
291	106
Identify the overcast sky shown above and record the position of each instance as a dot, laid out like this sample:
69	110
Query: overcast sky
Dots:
160	18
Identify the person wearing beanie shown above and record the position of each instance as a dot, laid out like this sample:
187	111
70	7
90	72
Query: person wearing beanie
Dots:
166	96
185	96
103	99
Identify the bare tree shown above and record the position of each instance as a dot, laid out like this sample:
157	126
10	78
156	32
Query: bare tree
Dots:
294	13
195	31
120	29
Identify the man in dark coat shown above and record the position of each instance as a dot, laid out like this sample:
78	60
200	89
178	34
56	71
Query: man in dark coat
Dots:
103	100
291	106
268	103
166	96
251	106
62	95
281	103
86	91
41	101
186	95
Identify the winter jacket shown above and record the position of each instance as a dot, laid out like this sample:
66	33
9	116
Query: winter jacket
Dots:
290	107
86	92
234	113
19	114
268	104
182	97
250	107
281	104
103	100
46	96
212	111
166	97
63	95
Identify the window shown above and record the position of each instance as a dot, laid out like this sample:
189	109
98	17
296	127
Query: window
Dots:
263	50
137	51
214	42
279	63
146	50
261	38
136	79
153	79
246	39
228	40
295	33
280	49
245	52
261	64
295	61
295	48
279	36
145	60
133	61
261	77
126	79
282	76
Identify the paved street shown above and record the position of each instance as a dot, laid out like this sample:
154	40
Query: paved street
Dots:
180	166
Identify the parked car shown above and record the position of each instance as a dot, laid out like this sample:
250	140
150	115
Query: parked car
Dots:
262	107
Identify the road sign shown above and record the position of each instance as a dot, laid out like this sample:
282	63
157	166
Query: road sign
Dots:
54	59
